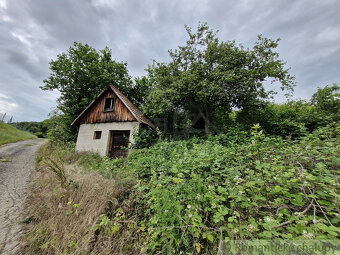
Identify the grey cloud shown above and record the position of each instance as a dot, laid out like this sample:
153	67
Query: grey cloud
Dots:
33	32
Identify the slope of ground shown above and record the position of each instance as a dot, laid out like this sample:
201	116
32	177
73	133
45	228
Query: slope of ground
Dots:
9	134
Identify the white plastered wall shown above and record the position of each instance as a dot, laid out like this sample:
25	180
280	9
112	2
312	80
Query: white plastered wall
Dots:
86	141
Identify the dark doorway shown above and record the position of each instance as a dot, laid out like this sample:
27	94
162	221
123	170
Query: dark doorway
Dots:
119	141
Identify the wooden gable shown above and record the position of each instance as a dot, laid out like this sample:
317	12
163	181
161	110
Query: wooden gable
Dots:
95	113
123	110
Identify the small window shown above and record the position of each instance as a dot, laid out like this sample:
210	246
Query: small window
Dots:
109	104
97	134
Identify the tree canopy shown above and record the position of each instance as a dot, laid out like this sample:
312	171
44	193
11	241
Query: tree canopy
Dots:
327	100
206	78
207	75
79	75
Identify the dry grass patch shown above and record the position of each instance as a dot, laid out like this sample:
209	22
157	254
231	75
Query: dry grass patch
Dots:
89	215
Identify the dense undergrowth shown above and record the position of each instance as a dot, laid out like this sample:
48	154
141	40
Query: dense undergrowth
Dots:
185	197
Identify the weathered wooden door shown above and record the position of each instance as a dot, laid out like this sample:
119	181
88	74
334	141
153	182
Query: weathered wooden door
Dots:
119	141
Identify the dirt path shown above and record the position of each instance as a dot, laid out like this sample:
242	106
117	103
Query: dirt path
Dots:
16	163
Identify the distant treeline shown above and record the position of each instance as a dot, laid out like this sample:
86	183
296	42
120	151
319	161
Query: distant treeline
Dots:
37	128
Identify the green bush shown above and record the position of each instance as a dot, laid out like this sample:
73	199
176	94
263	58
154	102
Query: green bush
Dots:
327	101
294	118
36	128
236	186
39	134
145	137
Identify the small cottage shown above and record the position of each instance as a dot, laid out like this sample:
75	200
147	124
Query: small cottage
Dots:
108	124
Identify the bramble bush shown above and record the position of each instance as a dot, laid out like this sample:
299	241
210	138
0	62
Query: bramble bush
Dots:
198	192
188	196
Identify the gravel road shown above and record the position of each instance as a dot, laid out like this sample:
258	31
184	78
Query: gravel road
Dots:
17	160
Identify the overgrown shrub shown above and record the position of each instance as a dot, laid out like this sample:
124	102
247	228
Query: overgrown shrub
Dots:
37	128
145	137
186	197
294	118
264	188
327	101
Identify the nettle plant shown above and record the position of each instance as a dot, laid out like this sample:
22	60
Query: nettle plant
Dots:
198	194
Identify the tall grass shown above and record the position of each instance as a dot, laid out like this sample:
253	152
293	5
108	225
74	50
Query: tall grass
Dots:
9	134
72	214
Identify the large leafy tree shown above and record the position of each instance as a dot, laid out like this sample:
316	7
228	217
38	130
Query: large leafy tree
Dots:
208	76
79	75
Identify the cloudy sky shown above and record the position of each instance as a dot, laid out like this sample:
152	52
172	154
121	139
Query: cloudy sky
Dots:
33	32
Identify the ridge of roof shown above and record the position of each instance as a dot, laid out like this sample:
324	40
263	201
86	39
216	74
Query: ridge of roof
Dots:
128	104
132	108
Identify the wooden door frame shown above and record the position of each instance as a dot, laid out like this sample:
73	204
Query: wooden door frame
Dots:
110	141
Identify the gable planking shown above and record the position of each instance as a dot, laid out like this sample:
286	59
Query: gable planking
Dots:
95	113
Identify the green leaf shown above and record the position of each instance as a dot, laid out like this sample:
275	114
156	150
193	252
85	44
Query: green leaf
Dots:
210	237
115	229
231	219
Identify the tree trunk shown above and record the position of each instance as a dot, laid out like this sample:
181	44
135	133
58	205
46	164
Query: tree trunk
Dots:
207	123
205	117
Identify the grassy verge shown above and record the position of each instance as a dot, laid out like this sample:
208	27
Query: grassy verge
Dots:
186	197
9	134
70	208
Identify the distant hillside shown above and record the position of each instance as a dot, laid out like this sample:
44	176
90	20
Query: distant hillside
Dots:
9	134
37	128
